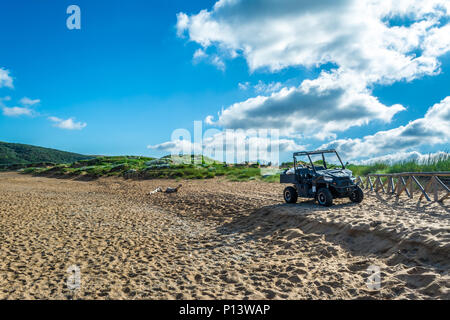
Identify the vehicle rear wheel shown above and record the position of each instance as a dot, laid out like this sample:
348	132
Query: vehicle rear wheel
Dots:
357	195
290	195
324	197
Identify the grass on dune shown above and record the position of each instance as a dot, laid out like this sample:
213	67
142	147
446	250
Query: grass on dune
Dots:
431	164
146	168
164	168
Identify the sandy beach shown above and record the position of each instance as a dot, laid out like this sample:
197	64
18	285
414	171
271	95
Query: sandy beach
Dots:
214	239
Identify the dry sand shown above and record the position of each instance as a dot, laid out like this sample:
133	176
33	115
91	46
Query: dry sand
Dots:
214	239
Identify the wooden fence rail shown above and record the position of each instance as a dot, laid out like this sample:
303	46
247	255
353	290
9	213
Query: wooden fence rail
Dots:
435	183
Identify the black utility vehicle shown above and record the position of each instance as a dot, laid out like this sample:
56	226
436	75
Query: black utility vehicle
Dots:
320	180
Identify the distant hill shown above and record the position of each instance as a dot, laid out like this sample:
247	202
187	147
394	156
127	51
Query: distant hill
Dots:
15	153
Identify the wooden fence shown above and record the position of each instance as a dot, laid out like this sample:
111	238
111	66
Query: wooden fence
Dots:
434	185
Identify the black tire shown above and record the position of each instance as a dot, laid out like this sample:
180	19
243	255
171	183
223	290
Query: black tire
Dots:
357	195
324	197
290	195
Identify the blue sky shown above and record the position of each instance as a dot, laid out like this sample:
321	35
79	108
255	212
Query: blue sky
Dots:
137	70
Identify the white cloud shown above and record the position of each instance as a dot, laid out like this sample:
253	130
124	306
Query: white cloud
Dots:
29	102
199	54
14	111
332	103
218	62
368	41
262	87
182	23
5	79
17	111
437	42
353	34
432	129
243	86
209	120
68	124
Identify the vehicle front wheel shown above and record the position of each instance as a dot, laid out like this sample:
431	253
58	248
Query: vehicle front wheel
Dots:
290	195
324	197
357	195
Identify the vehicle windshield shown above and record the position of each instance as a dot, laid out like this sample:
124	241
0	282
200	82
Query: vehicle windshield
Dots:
318	162
303	161
331	161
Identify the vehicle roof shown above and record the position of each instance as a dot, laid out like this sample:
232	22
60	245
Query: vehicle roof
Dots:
304	153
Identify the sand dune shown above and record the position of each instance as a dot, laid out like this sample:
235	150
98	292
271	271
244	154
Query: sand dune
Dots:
214	239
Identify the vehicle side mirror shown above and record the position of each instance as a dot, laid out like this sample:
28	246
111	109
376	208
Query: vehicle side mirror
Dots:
346	164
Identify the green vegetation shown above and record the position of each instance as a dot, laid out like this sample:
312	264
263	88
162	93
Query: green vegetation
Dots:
49	162
97	167
150	168
441	163
166	168
15	155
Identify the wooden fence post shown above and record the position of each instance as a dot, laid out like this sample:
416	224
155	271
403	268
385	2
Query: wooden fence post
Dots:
421	188
396	184
428	186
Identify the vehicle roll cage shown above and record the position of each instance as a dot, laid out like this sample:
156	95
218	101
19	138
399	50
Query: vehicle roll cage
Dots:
309	153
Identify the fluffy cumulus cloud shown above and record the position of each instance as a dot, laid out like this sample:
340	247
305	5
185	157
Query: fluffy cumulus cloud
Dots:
318	107
354	34
5	79
367	42
432	129
67	124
